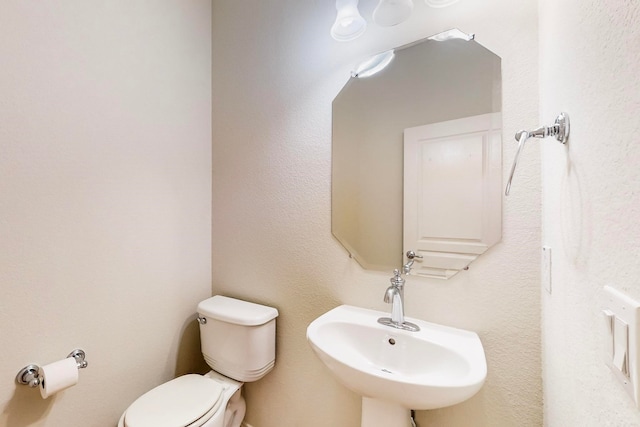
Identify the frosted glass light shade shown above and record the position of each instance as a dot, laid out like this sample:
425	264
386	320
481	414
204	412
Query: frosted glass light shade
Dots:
392	12
349	23
452	35
374	65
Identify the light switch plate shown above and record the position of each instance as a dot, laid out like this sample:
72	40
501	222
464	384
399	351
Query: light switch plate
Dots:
627	311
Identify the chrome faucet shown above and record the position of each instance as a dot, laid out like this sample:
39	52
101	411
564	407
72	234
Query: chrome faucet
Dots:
394	295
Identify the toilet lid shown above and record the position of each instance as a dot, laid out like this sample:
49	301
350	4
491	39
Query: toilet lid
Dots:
177	403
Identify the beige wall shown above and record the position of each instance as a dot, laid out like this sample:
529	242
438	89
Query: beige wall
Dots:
276	71
105	194
589	68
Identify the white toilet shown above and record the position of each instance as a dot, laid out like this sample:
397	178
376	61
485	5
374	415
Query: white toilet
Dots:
238	342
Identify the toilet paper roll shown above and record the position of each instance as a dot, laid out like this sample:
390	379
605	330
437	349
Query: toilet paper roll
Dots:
57	376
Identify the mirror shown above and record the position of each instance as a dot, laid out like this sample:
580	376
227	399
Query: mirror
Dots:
424	132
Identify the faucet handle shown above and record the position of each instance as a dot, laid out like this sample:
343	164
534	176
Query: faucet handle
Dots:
397	280
411	256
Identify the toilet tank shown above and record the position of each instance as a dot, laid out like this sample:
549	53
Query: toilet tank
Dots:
238	338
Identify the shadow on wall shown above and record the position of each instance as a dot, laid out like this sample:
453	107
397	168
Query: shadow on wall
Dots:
23	409
189	358
574	213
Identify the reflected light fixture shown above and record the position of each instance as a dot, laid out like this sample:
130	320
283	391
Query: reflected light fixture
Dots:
392	12
452	35
349	23
374	65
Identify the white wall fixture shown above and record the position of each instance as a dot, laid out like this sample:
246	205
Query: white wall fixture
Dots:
349	23
392	12
620	318
396	370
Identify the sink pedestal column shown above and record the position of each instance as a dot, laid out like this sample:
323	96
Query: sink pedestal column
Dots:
379	413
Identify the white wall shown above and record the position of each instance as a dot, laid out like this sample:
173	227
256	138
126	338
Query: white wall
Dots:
589	68
276	71
105	193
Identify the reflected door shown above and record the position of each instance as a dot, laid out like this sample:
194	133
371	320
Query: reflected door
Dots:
451	171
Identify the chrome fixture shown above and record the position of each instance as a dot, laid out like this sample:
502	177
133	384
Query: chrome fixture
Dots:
30	374
80	356
560	129
395	296
202	320
411	256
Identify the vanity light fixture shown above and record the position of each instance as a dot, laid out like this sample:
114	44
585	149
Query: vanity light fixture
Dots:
392	12
349	23
452	35
374	65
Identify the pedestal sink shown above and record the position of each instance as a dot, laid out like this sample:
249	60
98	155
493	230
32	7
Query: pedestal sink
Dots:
396	370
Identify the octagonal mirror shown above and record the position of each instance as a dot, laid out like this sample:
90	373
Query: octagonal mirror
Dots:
417	159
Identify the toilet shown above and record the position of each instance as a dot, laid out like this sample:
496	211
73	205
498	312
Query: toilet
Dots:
237	339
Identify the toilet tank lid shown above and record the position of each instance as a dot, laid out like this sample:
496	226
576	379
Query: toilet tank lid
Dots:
236	311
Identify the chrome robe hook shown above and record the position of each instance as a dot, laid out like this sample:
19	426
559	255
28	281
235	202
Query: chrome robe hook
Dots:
560	129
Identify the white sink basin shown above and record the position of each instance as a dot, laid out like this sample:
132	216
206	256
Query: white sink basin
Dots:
435	367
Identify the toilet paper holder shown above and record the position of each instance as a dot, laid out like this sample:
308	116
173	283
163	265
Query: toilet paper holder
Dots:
30	374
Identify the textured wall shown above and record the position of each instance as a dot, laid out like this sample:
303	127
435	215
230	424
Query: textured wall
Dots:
589	68
275	72
105	193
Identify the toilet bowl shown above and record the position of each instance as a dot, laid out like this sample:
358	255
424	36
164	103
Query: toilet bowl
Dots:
238	342
210	400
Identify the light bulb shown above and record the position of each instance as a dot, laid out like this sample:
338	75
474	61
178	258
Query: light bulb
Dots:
349	23
392	12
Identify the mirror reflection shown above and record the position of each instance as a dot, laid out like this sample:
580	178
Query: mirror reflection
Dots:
424	132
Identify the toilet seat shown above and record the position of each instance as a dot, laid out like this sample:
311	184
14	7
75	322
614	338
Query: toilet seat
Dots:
187	401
